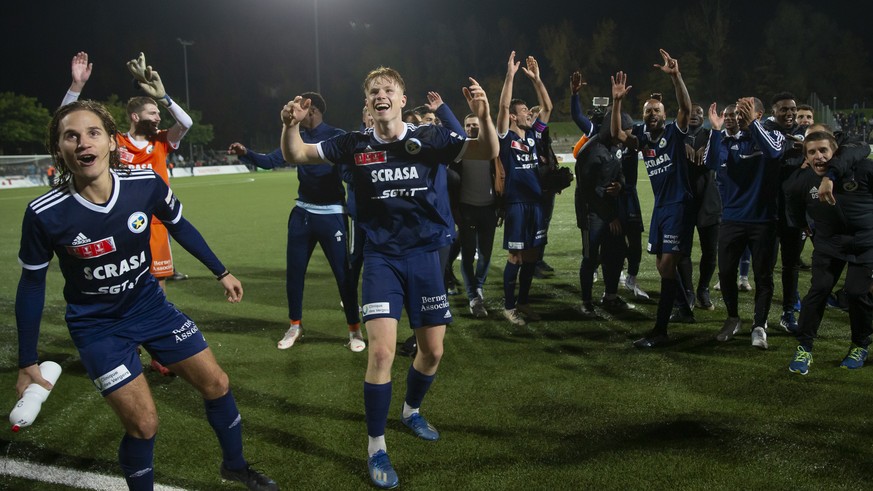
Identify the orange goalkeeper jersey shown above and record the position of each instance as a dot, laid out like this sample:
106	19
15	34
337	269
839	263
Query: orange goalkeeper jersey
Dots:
152	156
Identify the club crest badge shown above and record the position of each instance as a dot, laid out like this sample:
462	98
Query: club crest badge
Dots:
413	146
137	222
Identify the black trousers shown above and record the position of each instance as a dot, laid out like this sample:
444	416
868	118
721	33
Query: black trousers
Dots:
826	271
708	237
791	245
733	237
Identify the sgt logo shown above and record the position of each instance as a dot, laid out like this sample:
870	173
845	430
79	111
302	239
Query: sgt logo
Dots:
413	146
662	143
125	155
137	222
850	185
339	236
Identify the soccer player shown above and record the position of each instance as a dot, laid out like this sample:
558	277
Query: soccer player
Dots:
836	192
96	221
394	168
524	229
663	149
144	146
318	217
747	168
804	116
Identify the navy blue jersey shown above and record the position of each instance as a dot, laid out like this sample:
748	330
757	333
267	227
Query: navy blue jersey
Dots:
396	185
103	250
666	164
747	171
520	162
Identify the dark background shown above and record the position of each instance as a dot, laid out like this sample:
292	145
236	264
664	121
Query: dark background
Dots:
250	57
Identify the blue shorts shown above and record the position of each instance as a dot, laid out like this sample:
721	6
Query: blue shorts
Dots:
524	226
167	334
672	229
415	282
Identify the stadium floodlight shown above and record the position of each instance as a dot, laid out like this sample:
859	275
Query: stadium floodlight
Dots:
185	45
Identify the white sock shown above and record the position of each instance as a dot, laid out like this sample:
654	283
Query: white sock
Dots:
375	444
408	411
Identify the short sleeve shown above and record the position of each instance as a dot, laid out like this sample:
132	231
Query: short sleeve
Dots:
35	251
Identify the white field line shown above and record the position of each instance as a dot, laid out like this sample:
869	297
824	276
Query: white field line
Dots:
67	477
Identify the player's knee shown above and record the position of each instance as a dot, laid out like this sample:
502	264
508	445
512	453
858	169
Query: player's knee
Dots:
382	356
216	386
144	427
430	357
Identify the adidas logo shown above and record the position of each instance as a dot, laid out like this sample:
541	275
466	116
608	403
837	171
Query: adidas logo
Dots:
448	315
81	239
338	235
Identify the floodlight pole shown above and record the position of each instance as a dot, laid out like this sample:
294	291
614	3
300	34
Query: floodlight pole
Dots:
317	61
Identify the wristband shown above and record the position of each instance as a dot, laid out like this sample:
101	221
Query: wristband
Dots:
222	275
167	98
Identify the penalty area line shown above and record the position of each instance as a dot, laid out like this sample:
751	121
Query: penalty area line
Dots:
68	477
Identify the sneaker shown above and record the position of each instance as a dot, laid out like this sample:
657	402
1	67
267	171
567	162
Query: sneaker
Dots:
409	347
528	313
356	341
651	341
253	479
615	304
477	308
545	266
788	322
682	315
291	336
381	471
855	359
421	427
513	317
759	337
587	309
729	329
177	276
743	285
801	362
166	372
717	286
630	282
703	300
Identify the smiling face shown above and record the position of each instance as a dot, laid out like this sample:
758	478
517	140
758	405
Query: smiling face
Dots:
819	148
520	115
804	117
385	99
730	119
785	112
84	145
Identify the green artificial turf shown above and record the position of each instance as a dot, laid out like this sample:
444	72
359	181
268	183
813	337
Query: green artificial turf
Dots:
564	403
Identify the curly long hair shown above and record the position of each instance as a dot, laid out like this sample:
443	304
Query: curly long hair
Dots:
52	143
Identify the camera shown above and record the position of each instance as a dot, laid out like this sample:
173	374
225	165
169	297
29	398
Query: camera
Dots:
598	110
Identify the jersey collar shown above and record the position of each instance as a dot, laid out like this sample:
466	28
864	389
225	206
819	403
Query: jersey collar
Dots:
104	208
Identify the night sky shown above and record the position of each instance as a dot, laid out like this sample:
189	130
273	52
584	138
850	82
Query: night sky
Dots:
249	57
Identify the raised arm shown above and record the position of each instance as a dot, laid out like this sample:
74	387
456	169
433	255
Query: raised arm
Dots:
293	148
579	117
486	146
444	113
671	67
149	81
619	90
532	70
506	95
81	71
270	160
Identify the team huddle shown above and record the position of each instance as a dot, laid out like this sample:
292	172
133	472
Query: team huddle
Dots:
393	204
